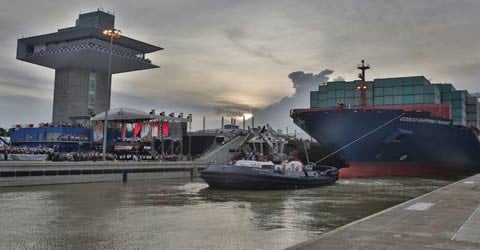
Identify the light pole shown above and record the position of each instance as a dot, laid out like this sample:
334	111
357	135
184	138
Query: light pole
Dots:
111	33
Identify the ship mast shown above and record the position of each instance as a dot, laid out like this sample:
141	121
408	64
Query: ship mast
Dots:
363	86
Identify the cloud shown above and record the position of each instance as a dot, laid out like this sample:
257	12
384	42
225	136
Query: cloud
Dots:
17	110
239	39
231	108
278	114
226	57
303	80
15	82
339	79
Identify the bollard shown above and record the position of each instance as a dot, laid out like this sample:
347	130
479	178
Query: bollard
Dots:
125	176
194	171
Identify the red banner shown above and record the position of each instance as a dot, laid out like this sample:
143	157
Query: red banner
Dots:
137	129
165	129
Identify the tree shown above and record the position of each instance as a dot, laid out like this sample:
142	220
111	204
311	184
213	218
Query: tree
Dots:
3	132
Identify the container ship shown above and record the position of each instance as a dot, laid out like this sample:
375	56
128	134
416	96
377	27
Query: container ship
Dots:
404	126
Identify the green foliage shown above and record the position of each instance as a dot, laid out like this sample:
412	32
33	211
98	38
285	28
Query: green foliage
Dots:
3	132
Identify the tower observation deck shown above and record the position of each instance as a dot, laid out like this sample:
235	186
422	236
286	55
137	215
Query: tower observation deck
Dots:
79	55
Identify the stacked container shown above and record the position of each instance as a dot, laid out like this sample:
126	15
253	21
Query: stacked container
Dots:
400	91
473	111
405	90
457	100
389	91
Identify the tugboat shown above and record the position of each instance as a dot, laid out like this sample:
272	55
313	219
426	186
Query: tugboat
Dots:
258	175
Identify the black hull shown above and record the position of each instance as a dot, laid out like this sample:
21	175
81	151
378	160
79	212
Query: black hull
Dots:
232	178
386	142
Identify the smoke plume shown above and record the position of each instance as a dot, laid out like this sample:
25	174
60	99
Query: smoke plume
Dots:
277	115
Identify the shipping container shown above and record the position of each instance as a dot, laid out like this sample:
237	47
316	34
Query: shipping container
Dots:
340	94
472	116
459	94
331	94
349	93
369	94
408	90
407	99
339	85
429	98
458	112
388	100
349	101
472	100
472	109
397	90
446	96
458	103
445	87
388	91
356	101
332	103
378	91
415	80
418	90
418	99
370	102
398	99
430	89
415	91
378	101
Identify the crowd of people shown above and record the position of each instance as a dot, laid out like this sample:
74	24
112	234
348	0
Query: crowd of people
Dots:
78	156
25	150
54	154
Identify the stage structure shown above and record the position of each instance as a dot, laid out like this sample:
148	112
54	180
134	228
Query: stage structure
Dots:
134	130
79	55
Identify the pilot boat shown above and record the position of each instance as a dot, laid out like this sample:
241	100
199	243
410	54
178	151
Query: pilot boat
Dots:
248	174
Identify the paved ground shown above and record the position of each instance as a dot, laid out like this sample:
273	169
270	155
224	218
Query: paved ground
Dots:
447	218
4	165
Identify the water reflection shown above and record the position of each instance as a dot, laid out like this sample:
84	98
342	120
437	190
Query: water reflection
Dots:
184	214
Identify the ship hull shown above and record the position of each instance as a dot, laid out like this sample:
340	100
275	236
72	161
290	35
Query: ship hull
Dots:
393	142
418	169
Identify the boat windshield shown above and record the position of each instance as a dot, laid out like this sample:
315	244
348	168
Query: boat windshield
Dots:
267	167
255	164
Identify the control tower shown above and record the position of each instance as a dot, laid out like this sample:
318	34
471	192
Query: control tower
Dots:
79	55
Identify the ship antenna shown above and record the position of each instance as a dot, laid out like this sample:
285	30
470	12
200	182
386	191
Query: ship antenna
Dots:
363	85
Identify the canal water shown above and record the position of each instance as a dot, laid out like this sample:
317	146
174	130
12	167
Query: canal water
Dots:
186	214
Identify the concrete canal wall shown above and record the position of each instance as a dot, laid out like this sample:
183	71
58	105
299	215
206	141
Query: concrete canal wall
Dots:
447	218
45	173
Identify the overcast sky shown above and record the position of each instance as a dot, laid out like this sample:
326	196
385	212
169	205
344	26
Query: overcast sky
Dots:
231	57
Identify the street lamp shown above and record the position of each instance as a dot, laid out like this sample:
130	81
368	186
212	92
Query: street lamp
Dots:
112	33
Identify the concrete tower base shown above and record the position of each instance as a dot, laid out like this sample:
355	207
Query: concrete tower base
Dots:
79	94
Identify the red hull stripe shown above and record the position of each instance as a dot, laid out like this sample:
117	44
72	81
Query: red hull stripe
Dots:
379	169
